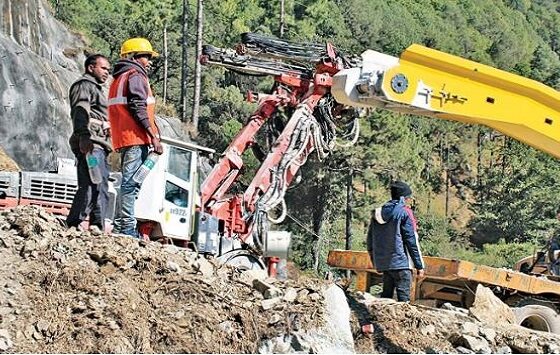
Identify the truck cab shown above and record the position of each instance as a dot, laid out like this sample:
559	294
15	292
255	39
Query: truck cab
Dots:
169	196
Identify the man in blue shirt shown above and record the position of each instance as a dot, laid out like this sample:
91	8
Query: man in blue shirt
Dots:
393	243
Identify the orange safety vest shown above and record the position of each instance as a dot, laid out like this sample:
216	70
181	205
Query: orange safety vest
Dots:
125	130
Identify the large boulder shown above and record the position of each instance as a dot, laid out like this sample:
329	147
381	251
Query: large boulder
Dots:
488	308
333	338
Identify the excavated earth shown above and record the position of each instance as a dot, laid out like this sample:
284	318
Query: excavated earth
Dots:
7	163
66	291
404	328
69	291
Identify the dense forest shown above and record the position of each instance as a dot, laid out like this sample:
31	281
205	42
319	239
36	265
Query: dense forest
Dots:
479	195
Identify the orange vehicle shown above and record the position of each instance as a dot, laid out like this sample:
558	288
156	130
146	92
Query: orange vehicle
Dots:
536	300
538	264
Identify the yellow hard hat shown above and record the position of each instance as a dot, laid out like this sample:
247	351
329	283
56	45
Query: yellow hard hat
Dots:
137	45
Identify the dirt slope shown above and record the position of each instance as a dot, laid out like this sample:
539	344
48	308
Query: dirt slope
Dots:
405	328
67	291
7	163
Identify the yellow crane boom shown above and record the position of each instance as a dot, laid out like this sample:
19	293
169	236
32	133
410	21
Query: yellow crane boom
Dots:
428	82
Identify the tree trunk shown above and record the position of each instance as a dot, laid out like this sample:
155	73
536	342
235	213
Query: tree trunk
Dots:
349	206
319	211
282	18
505	152
165	64
184	64
446	152
197	68
479	139
447	193
428	176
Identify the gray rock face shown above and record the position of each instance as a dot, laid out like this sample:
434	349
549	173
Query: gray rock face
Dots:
268	290
338	329
554	348
469	328
291	294
270	303
488	333
503	350
40	59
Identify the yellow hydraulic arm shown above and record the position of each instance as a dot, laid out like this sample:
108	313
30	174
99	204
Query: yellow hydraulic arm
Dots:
428	82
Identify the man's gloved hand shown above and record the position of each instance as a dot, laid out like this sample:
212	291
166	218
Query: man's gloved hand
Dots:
86	145
158	148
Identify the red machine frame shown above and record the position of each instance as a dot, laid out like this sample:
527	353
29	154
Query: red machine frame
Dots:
303	94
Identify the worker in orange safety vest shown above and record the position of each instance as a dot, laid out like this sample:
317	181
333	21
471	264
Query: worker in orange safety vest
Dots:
132	121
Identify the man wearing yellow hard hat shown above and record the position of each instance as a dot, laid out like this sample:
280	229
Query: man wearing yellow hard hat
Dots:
132	120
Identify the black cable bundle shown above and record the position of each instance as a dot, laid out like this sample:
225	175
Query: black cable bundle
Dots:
310	52
323	115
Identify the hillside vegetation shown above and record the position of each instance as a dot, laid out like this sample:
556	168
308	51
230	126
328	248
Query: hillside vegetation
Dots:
501	195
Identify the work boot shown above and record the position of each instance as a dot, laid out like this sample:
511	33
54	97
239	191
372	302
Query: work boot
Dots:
95	230
132	233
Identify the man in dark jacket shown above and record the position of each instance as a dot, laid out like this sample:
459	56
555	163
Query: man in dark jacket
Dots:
88	109
132	120
393	243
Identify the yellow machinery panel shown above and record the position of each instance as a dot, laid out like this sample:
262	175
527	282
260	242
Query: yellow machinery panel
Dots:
450	87
428	82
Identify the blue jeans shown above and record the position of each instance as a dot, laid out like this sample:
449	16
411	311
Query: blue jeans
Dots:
90	200
397	279
555	268
131	159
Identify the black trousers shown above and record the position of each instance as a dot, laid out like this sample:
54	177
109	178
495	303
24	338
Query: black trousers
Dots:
399	280
91	200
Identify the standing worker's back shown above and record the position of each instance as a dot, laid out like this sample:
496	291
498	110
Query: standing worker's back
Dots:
393	242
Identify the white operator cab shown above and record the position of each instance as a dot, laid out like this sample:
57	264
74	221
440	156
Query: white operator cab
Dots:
170	192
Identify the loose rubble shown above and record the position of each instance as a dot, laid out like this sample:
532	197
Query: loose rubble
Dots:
405	328
67	291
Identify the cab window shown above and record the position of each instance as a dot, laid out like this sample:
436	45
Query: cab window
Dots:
180	163
176	195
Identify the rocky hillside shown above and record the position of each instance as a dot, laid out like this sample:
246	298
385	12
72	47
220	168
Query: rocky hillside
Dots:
66	291
40	59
